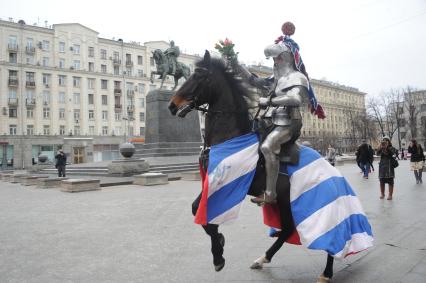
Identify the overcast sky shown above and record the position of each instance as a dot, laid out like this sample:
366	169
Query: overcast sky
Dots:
374	45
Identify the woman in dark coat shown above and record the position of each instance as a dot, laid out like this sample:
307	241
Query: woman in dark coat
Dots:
417	160
386	171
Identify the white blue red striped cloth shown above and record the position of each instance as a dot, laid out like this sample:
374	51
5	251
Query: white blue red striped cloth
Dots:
231	169
327	214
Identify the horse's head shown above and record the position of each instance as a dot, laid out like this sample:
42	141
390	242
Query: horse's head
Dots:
196	90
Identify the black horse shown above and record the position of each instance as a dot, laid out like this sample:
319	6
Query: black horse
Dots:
228	117
164	68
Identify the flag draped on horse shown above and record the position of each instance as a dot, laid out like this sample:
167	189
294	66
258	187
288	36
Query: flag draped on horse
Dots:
326	211
231	169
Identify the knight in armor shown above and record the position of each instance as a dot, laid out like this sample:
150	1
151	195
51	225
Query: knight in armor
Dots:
172	53
287	88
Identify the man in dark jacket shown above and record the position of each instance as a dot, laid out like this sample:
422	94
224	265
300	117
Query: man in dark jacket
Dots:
365	157
61	161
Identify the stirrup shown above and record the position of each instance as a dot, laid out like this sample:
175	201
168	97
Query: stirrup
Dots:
264	199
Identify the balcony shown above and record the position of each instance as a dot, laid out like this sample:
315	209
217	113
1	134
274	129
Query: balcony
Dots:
12	102
130	92
30	84
130	108
13	47
117	91
13	81
116	62
118	107
129	63
30	102
29	50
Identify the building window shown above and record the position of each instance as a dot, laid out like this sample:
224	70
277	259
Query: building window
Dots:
30	60
117	131
140	60
45	62
30	77
103	54
76	64
141	116
61	63
76	98
62	47
61	97
13	58
140	73
46	80
12	94
76	115
91	98
46	113
46	97
62	130
116	70
116	55
12	129
61	113
45	45
151	61
104	130
62	80
91	67
105	115
91	52
77	130
117	116
76	49
91	130
142	131
76	81
46	130
141	88
103	68
13	112
104	84
104	99
90	83
30	130
128	71
30	113
91	114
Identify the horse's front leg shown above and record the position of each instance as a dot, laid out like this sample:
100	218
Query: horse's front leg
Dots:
176	82
152	77
287	223
217	239
328	271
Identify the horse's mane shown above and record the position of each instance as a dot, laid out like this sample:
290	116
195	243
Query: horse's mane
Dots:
239	91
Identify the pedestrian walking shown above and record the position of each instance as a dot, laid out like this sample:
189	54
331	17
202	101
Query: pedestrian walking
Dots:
61	162
417	160
387	166
331	155
364	157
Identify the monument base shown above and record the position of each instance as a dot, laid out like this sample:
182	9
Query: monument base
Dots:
127	167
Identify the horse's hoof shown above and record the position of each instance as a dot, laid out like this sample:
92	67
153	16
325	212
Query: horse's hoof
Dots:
219	267
258	263
323	279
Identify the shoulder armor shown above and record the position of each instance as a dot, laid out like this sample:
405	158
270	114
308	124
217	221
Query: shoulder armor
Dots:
294	79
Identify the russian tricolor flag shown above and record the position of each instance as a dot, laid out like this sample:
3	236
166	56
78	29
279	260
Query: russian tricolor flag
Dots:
231	169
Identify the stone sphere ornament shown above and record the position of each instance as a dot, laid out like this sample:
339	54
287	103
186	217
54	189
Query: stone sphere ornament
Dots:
288	28
127	149
42	158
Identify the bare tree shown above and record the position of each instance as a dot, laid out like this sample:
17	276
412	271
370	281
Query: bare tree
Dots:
413	109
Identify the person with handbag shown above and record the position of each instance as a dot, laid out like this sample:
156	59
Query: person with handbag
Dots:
387	166
417	160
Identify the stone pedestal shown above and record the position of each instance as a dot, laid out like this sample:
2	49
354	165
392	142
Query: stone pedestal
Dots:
16	178
4	176
151	179
47	183
80	185
191	176
168	135
127	167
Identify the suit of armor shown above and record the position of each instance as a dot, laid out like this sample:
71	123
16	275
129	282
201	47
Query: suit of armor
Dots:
172	53
282	111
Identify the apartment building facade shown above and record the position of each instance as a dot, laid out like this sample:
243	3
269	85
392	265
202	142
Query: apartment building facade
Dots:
66	87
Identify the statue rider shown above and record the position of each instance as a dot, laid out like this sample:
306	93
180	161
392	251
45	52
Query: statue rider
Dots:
172	53
287	88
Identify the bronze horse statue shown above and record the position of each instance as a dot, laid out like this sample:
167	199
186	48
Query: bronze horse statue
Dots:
164	68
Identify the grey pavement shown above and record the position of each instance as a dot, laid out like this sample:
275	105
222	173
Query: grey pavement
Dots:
146	234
